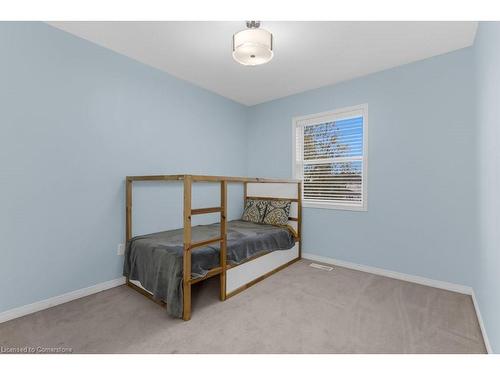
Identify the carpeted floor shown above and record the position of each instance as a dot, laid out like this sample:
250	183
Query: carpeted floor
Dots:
297	310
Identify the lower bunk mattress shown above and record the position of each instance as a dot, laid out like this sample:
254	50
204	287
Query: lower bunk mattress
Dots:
155	260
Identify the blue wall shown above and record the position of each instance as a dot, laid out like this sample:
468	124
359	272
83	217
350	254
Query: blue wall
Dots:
421	216
487	281
75	120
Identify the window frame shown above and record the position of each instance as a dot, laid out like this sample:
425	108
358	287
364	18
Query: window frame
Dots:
331	116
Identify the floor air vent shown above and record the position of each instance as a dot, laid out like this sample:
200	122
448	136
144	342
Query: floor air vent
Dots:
321	267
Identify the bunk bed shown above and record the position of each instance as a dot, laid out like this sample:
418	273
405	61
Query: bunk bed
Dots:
240	253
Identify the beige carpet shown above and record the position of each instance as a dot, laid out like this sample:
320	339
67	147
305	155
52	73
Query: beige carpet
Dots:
297	310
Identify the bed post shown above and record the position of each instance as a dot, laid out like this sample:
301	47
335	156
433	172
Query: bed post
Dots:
128	214
223	235
299	216
128	209
186	278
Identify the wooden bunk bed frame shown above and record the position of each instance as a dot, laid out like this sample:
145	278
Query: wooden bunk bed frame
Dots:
190	246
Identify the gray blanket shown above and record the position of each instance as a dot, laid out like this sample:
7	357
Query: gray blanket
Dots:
156	259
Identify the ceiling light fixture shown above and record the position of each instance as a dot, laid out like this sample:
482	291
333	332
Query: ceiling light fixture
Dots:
253	46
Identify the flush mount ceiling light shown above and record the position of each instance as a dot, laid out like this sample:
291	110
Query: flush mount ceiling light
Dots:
253	46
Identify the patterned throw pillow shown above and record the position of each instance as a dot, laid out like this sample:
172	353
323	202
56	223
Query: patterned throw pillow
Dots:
255	210
277	212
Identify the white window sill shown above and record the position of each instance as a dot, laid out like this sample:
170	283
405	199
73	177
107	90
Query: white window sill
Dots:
333	206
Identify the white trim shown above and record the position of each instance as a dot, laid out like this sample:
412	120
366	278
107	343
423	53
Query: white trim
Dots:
463	289
332	115
58	300
481	324
328	116
80	293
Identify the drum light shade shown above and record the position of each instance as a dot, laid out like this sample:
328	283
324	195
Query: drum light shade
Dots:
253	46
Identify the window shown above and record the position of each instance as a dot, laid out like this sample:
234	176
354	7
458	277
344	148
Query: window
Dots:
330	151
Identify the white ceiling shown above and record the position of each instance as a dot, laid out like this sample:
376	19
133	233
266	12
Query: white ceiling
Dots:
307	55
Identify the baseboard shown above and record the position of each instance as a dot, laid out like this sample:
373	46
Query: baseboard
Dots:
58	300
481	324
67	297
392	274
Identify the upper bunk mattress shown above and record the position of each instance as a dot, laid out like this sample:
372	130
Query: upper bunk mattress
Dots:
155	260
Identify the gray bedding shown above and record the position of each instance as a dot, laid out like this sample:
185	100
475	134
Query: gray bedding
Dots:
156	259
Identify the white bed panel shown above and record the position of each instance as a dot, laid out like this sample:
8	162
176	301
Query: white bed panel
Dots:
249	271
137	283
277	190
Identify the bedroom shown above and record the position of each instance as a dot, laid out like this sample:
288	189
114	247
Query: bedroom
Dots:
332	184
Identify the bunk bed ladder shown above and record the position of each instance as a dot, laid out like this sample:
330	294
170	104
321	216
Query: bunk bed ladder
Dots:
189	246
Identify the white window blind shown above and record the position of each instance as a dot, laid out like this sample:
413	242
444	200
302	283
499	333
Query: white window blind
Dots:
330	157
